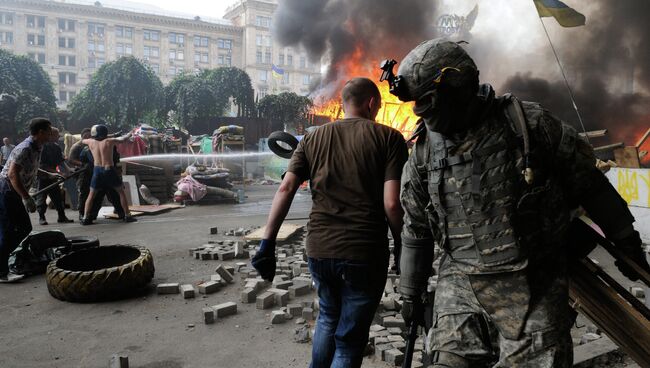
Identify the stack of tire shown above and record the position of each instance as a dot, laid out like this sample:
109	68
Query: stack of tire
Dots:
100	273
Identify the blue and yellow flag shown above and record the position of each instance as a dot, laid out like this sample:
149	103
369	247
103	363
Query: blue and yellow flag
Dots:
566	16
276	71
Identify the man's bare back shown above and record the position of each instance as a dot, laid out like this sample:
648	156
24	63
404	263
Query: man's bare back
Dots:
102	150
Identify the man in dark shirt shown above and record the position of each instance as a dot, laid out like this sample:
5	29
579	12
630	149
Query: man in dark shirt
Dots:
51	157
354	166
83	180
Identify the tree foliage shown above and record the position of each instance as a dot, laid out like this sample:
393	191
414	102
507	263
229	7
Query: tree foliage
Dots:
121	93
287	108
191	99
29	83
232	82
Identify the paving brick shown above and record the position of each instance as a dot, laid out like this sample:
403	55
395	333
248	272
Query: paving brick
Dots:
209	287
225	309
218	279
208	315
394	322
225	274
399	345
393	357
377	327
226	255
230	269
169	288
277	317
395	338
187	290
239	266
381	340
205	255
284	285
308	314
265	300
295	310
394	330
281	296
118	361
381	349
299	289
248	295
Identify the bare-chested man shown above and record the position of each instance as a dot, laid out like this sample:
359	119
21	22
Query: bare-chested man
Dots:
105	175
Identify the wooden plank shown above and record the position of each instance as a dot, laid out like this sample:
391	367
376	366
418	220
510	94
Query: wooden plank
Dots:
609	147
152	209
627	157
594	133
589	351
642	140
286	232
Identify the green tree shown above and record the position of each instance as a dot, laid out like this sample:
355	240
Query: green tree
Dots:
29	83
121	93
192	98
286	108
232	82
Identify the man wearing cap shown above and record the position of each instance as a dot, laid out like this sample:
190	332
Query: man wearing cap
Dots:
15	180
105	175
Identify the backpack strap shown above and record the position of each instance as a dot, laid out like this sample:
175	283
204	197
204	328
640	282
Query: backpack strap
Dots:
515	113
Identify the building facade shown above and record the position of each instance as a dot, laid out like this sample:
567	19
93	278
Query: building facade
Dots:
72	41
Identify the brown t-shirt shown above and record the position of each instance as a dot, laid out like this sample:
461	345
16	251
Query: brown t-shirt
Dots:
347	163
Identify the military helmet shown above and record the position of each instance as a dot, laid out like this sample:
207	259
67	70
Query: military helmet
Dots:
99	132
432	63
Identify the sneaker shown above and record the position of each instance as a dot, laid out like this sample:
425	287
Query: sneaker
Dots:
42	221
64	220
129	218
87	221
10	277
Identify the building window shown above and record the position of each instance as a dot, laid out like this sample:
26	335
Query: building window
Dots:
6	38
290	60
151	52
96	29
258	57
96	62
63	96
285	78
34	21
96	46
262	21
67	78
200	41
177	38
225	60
176	54
66	43
224	44
67	60
267	41
37	57
124	48
201	57
262	93
258	40
124	32
306	79
7	18
303	62
66	25
156	68
281	59
264	75
267	57
35	40
151	35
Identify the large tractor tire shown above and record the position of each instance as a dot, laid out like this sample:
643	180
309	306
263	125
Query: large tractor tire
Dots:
285	138
101	273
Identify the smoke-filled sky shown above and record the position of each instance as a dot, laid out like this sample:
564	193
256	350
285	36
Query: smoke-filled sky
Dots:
508	44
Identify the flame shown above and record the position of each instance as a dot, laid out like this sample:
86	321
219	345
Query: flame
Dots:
393	112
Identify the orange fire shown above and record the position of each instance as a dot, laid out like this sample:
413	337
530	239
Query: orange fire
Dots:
393	112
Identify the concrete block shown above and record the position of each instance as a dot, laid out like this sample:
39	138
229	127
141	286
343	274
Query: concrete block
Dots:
277	317
208	315
376	327
394	322
265	300
395	338
399	345
205	255
226	255
281	296
118	361
308	314
188	291
284	285
209	287
225	309
381	349
394	330
393	357
638	292
239	266
230	269
381	340
218	279
248	295
299	289
169	288
225	274
295	310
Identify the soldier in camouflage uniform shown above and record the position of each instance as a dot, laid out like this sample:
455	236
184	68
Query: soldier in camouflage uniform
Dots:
492	181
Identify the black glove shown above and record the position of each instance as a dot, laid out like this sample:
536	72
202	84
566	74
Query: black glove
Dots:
632	247
397	252
413	311
264	259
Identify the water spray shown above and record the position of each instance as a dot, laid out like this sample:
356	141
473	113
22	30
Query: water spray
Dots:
181	156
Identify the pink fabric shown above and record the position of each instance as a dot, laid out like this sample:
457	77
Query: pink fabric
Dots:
136	148
192	187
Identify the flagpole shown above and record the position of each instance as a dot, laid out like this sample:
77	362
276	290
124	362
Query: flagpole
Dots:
566	82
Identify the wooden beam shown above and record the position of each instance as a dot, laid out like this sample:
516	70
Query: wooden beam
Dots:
594	133
609	147
643	139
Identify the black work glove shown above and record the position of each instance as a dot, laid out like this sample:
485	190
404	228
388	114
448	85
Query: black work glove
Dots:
397	251
413	311
264	259
631	246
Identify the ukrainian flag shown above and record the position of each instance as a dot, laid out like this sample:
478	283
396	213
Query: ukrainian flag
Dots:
566	16
276	71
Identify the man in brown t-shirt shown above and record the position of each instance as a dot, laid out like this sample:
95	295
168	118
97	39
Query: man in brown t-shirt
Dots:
354	167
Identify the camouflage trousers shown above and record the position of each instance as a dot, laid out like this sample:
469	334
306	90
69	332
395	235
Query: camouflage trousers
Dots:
498	320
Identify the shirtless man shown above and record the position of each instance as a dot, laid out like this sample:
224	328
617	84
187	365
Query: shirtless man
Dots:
105	175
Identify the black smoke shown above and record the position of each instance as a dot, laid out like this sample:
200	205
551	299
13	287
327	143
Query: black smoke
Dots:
339	29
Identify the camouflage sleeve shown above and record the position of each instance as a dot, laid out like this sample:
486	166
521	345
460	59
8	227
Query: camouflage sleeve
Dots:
415	202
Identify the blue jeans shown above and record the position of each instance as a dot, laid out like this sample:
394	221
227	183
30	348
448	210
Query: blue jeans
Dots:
349	293
15	225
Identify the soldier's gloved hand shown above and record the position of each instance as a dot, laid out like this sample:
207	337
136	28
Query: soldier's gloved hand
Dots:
264	259
632	247
413	311
30	204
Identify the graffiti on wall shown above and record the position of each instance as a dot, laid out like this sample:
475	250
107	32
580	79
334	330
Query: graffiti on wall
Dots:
632	184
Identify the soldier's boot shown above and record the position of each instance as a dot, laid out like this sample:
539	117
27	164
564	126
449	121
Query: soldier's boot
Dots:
442	359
